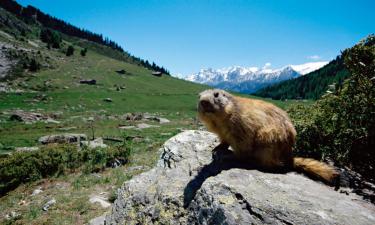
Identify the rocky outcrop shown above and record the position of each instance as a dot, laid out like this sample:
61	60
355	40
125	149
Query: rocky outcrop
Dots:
62	138
188	187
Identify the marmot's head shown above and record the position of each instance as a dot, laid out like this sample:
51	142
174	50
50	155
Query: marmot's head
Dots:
213	101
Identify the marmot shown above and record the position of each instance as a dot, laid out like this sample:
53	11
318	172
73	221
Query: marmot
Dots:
258	132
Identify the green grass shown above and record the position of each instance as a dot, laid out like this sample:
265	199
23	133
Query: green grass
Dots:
165	96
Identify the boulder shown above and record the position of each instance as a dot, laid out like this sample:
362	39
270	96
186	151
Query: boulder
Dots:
141	126
161	120
97	143
49	204
102	200
188	187
100	220
37	191
62	138
108	100
26	149
132	116
29	117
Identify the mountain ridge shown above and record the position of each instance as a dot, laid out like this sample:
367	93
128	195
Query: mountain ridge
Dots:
250	79
309	86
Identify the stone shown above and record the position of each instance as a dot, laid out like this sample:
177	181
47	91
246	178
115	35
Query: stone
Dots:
102	200
108	100
12	215
144	126
50	120
100	220
62	138
97	143
188	187
161	120
26	149
49	204
22	116
126	127
132	116
37	191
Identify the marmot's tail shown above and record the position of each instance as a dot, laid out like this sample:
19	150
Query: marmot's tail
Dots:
316	169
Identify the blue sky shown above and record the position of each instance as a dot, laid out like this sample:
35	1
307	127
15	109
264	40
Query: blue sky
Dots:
187	35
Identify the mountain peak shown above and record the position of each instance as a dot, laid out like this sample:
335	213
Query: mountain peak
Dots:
250	79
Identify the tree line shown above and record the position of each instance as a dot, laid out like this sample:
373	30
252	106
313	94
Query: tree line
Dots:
31	14
309	86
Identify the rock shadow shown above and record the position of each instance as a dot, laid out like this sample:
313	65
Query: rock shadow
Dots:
223	159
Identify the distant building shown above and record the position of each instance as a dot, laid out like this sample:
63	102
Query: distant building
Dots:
157	73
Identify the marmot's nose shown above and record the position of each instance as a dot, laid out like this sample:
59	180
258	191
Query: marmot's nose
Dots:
205	105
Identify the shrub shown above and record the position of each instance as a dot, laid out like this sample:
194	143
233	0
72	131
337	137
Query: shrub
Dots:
22	167
70	50
341	125
52	38
83	52
34	65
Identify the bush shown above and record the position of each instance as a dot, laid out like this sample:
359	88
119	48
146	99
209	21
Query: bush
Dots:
70	50
23	167
83	52
34	65
341	125
52	38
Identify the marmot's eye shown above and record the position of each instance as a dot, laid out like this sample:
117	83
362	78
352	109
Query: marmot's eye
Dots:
216	94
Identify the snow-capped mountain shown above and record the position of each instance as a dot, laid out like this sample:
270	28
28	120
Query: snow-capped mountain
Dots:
250	79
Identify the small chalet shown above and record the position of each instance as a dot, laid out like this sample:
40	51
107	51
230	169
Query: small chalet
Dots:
157	73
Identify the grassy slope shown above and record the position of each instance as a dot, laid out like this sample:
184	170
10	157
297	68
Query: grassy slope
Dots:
166	96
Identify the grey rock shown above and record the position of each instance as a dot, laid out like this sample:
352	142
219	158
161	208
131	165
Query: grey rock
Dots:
37	191
100	220
49	204
145	126
62	138
162	120
97	143
50	120
102	200
188	187
26	149
23	116
108	100
126	127
132	116
12	215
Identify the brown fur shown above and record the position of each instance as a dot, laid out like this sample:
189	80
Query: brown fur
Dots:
257	131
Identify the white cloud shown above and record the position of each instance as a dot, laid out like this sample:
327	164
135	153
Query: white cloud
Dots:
314	57
267	66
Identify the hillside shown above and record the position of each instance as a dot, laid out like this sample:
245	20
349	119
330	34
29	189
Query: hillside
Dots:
97	90
309	86
46	85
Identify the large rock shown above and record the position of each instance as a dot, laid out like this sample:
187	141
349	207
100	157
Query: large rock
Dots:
188	187
62	138
22	116
97	143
